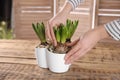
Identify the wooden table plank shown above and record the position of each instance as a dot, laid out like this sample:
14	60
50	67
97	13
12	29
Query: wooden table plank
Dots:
17	62
33	72
106	55
18	51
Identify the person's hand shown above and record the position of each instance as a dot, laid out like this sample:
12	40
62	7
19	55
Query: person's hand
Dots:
54	22
86	43
60	17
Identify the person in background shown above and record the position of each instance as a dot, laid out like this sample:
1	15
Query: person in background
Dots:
89	39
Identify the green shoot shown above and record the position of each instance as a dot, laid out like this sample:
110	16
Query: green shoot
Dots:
65	32
39	29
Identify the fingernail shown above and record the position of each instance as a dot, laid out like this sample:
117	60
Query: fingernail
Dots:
65	58
55	43
67	63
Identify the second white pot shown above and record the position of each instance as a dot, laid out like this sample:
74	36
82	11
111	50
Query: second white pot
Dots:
56	62
41	57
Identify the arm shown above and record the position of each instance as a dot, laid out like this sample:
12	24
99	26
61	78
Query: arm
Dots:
90	38
70	5
113	28
75	3
86	43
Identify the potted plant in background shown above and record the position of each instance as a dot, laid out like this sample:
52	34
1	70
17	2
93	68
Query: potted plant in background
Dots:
40	50
5	33
56	54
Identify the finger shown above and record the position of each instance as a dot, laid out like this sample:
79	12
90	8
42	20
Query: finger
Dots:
53	35
72	43
72	51
76	56
47	31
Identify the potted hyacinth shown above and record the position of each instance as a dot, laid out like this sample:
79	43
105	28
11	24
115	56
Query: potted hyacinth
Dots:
50	56
40	50
56	54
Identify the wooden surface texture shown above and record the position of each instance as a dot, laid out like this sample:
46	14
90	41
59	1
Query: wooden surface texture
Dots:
17	62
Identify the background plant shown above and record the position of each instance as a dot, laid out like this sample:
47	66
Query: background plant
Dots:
5	33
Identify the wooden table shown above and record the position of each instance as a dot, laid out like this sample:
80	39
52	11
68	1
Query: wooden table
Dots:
17	62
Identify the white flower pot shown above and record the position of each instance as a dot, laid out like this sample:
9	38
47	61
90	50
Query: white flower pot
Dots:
41	57
56	62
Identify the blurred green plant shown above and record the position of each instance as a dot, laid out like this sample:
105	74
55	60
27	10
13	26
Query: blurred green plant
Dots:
5	33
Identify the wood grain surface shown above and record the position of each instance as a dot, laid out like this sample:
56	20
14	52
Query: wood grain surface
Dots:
17	62
33	72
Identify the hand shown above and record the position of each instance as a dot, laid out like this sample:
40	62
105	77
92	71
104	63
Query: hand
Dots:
86	43
56	20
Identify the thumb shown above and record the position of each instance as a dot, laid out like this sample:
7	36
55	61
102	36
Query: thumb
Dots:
72	43
53	35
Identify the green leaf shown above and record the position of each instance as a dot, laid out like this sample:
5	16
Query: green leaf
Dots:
57	33
54	29
63	34
35	29
41	32
68	23
73	27
39	29
75	23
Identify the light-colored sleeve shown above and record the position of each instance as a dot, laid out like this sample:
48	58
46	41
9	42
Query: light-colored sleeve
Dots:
75	3
113	28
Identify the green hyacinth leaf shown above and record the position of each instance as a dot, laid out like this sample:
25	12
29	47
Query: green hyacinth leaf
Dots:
39	29
63	34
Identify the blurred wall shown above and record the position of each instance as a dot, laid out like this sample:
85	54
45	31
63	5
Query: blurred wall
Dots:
5	11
